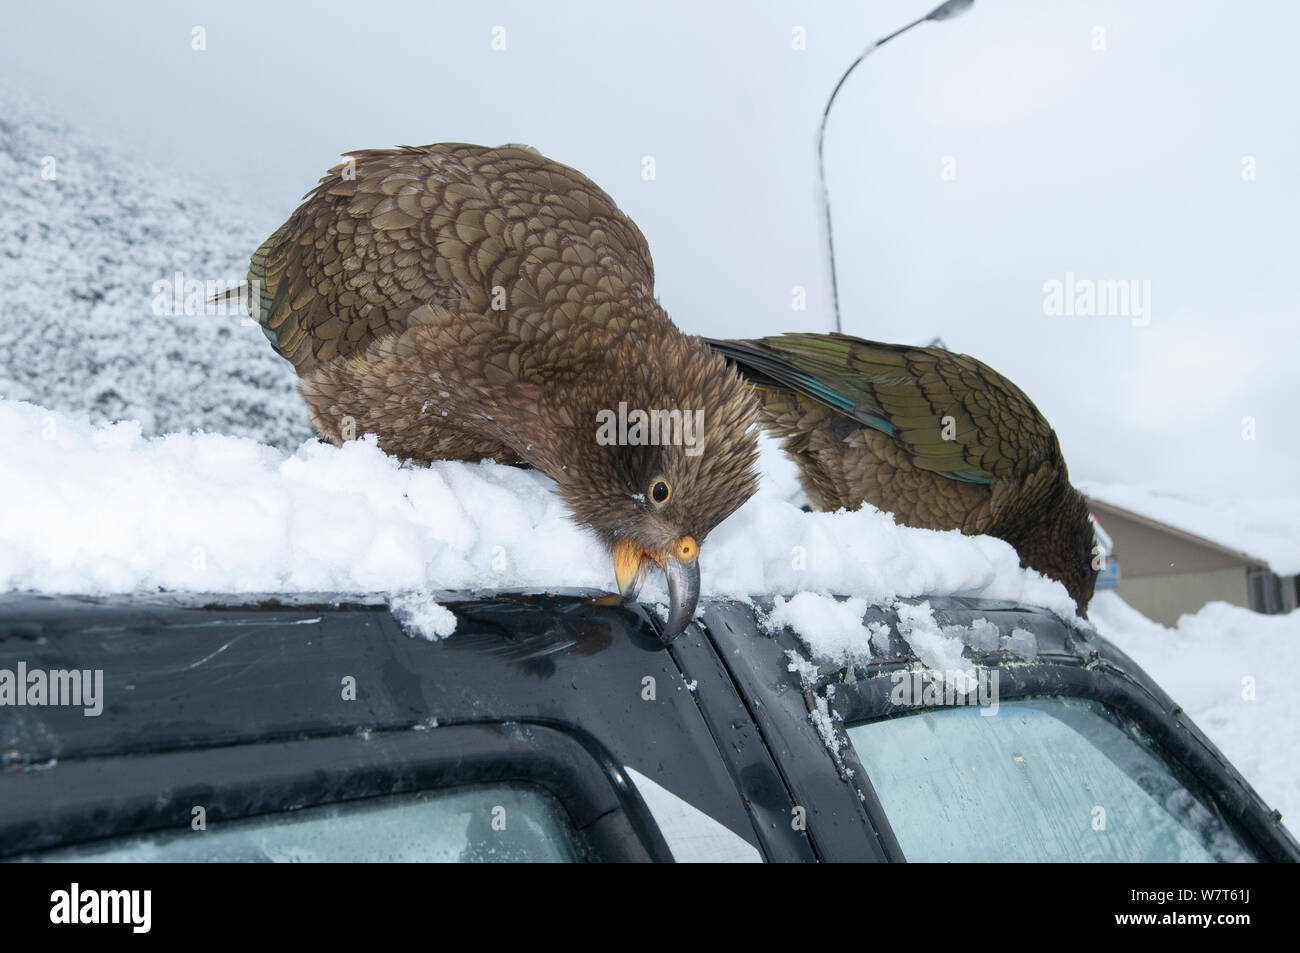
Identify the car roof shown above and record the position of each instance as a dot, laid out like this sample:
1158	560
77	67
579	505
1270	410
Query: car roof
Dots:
187	671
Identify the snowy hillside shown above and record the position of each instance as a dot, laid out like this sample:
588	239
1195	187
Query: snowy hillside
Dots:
84	235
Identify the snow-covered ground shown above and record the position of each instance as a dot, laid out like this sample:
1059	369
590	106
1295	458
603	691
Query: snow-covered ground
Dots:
140	450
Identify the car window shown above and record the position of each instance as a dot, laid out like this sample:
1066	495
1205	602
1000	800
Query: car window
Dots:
1042	779
498	822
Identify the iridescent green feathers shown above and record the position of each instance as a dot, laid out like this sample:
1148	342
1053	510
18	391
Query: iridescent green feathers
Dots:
955	415
940	440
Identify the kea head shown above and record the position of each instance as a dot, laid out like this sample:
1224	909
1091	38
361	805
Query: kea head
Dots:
663	451
1081	580
1060	546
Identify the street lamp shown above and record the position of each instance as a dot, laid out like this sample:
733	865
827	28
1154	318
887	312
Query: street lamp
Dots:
944	11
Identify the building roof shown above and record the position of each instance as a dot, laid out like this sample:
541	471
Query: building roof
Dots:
1265	532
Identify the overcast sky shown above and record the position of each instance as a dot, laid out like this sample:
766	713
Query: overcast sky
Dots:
969	163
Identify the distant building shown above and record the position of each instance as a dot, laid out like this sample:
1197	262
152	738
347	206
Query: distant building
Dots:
1164	571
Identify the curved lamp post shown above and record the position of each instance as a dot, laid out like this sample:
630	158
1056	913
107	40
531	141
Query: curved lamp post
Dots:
944	11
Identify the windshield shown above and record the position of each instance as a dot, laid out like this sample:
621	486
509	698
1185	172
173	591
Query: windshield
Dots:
1043	779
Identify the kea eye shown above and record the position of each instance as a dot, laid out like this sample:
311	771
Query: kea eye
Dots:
660	491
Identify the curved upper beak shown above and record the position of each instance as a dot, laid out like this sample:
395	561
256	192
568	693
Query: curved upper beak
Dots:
683	596
630	566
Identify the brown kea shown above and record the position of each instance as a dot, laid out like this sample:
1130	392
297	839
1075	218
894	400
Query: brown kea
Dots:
464	303
940	440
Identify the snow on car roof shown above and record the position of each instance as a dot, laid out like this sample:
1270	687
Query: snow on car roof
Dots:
103	508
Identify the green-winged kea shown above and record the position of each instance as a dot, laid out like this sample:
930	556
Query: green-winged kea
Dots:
939	439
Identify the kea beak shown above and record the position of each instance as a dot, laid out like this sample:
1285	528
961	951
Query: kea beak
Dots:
683	596
681	568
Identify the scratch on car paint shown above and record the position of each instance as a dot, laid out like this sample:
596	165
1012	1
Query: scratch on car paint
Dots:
231	623
213	655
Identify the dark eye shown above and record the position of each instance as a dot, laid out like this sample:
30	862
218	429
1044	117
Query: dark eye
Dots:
660	491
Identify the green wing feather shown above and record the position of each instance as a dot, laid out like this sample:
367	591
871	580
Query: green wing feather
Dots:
995	431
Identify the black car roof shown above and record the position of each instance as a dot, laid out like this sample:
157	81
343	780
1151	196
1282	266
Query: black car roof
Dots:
187	671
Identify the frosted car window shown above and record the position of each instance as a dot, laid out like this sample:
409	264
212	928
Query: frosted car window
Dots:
467	824
1044	779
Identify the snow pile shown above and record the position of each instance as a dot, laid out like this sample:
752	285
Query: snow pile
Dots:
833	629
84	237
938	648
421	615
99	509
824	722
1231	670
1267	529
835	633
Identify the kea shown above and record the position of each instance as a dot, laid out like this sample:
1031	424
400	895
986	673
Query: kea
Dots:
939	439
469	303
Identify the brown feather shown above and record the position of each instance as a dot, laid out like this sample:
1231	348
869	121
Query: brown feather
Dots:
385	290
